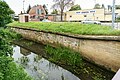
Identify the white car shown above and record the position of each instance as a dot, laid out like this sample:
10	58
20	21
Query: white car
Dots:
90	22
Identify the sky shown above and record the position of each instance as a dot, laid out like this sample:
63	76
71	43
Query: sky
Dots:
17	5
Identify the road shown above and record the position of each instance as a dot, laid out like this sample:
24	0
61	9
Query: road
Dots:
117	25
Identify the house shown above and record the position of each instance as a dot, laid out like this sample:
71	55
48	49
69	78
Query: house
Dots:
37	13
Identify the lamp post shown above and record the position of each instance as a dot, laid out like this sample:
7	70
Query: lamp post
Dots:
113	14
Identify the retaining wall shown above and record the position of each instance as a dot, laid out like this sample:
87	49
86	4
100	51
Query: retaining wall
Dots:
102	50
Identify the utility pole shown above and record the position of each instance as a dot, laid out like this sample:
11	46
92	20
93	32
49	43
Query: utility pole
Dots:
113	14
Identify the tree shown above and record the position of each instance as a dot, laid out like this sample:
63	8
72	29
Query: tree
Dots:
45	8
29	7
5	14
117	6
62	5
97	6
75	7
54	12
109	8
103	6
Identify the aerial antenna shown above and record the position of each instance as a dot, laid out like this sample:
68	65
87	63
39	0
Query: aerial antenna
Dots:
23	6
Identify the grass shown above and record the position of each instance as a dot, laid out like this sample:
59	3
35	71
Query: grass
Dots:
64	55
69	27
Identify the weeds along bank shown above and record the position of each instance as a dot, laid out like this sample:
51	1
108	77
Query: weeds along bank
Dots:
8	69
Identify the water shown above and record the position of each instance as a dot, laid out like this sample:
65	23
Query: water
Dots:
38	67
28	54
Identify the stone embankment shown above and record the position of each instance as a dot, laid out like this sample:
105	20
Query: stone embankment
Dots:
102	50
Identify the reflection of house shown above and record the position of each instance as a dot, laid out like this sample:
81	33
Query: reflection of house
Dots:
90	14
37	13
24	51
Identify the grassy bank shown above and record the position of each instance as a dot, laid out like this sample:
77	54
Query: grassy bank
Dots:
64	55
69	27
8	69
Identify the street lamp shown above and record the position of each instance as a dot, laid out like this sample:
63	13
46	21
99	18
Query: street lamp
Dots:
113	14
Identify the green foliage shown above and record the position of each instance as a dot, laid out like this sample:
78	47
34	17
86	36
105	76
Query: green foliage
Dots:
54	12
117	6
8	69
75	7
5	11
69	27
97	6
5	39
64	55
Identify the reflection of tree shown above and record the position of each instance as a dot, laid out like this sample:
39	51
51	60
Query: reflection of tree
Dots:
53	66
37	58
24	61
62	77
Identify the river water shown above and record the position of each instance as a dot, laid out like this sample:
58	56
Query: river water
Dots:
39	68
32	57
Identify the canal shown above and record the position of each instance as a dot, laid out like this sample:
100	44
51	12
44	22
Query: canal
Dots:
32	57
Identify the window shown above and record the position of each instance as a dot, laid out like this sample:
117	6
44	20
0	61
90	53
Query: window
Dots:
85	15
38	11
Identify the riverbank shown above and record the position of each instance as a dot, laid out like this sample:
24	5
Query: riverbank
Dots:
101	50
68	27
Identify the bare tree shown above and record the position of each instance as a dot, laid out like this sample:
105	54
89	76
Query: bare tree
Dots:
29	7
45	8
62	5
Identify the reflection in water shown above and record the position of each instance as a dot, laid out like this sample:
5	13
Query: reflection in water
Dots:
40	68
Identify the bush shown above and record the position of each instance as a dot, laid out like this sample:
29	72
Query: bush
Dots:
5	13
8	69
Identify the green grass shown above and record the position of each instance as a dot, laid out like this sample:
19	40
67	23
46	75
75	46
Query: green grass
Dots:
69	27
64	55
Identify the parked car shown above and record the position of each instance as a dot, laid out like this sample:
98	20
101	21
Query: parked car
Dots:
91	22
46	20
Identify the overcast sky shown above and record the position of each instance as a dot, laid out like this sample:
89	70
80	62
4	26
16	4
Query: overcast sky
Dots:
17	5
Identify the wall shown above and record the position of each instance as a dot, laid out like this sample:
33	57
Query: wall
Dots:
22	17
102	50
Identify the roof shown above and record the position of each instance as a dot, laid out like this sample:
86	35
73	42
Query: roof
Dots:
34	8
